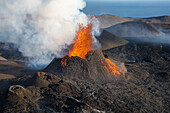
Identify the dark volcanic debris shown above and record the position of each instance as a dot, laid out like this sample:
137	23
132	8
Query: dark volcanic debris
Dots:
92	68
144	88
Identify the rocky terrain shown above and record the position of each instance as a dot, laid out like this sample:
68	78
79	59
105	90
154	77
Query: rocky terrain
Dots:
143	88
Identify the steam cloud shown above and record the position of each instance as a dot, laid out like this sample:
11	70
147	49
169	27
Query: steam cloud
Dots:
41	29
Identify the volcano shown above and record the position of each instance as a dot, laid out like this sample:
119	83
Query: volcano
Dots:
72	87
85	63
94	67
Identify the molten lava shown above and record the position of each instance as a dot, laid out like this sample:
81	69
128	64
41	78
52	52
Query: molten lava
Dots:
83	43
64	61
111	67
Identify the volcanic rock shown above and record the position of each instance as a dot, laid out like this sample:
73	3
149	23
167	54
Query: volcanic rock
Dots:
92	68
17	92
145	90
42	79
108	40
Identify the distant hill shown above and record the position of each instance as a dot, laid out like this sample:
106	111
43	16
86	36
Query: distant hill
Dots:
109	40
159	19
109	20
134	29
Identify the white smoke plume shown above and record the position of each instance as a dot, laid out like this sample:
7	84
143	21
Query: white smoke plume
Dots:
41	29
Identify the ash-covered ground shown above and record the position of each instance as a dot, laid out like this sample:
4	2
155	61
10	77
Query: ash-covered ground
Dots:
144	87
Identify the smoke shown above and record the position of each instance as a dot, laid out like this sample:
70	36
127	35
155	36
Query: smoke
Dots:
41	29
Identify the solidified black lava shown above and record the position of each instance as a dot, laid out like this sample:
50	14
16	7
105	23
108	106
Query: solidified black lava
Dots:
92	68
144	90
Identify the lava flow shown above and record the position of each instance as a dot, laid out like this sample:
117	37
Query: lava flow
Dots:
111	67
83	43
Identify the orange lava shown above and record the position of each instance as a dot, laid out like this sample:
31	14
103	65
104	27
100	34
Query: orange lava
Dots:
83	42
111	67
64	61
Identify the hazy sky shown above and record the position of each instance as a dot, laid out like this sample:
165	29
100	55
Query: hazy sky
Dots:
127	0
